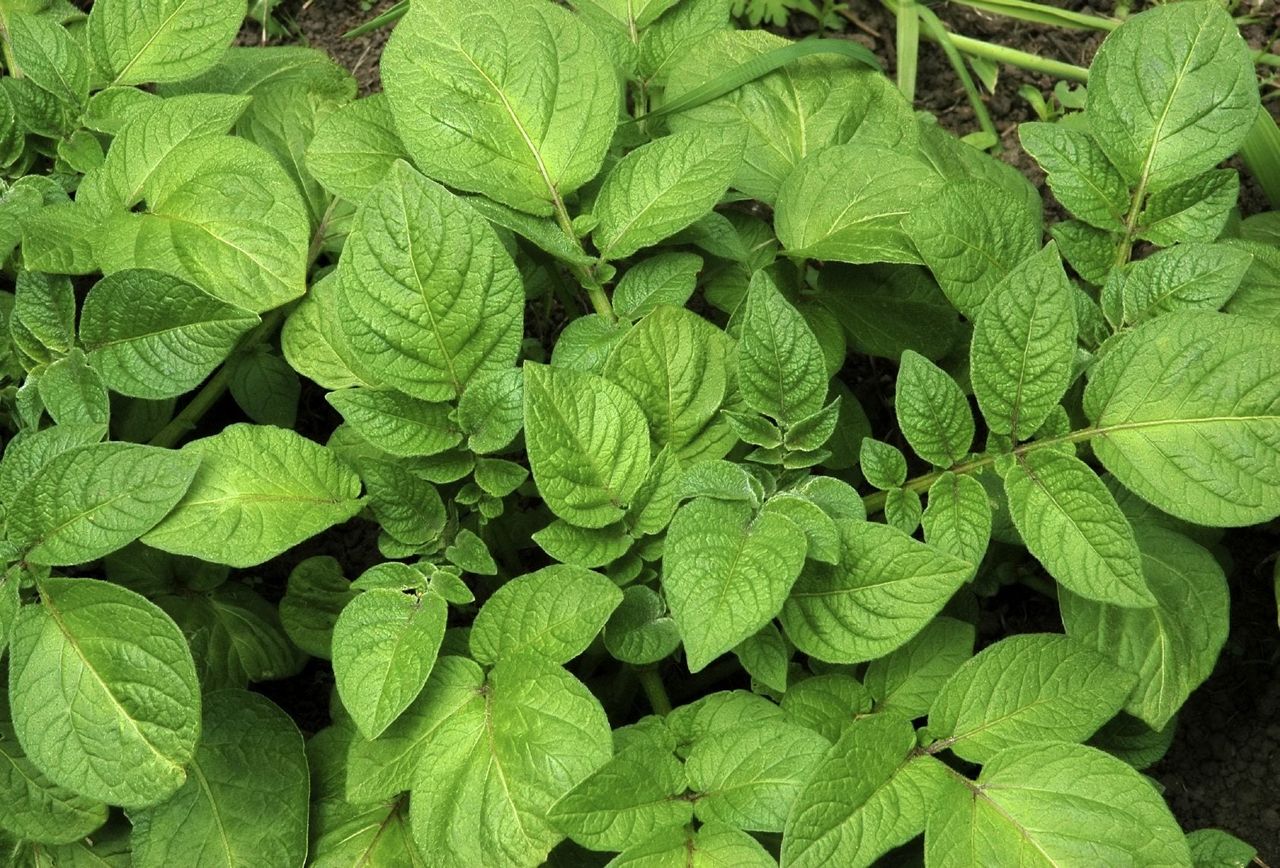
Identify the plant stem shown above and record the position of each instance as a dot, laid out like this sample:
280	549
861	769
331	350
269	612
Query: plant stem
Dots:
654	690
1020	59
595	290
935	30
908	44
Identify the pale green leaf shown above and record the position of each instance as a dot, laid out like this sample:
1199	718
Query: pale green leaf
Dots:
665	278
1214	848
907	680
161	40
1079	174
581	546
354	148
1187	277
398	424
315	594
1193	210
781	370
958	518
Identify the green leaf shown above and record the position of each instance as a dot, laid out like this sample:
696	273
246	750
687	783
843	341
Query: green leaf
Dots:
354	148
469	553
827	704
167	40
491	410
152	335
781	370
959	517
1171	94
1015	812
1071	523
588	444
847	203
823	540
1187	411
886	588
625	802
73	393
384	646
1027	688
711	846
400	425
660	188
1171	647
501	762
246	798
316	593
87	502
725	574
888	309
1090	251
866	796
1187	277
103	692
459	96
1214	848
665	278
972	235
584	547
265	387
554	612
670	37
640	631
932	411
1079	173
49	57
44	307
748	777
259	491
1192	210
908	680
903	509
674	364
1024	342
766	657
34	808
883	465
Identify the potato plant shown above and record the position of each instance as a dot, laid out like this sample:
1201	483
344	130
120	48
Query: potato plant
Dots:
569	327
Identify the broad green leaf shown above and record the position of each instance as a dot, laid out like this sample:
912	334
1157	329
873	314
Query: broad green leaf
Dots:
44	309
780	364
588	444
500	763
312	344
103	692
1187	411
384	646
73	393
665	278
585	343
766	657
520	78
428	297
542	232
726	574
256	69
715	713
971	236
1079	173
245	799
1214	848
672	36
315	594
932	411
640	631
1071	523
581	546
958	518
1024	343
153	335
748	777
259	491
886	588
1023	689
888	309
635	14
1092	252
1129	739
823	540
49	57
1187	277
383	767
1014	813
354	148
827	704
89	501
400	425
30	450
807	105
346	835
1172	93
907	680
1192	210
1171	647
660	188
846	203
674	364
554	612
713	845
626	801
162	40
264	386
491	410
866	796
34	808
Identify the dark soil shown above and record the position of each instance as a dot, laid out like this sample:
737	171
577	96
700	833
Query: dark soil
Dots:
1223	769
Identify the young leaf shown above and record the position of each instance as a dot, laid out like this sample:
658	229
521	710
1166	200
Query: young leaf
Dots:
1214	848
87	502
1081	177
1171	647
766	657
459	96
1014	812
1024	342
780	365
886	588
640	631
245	799
588	444
400	425
1071	523
1193	210
384	646
1186	404
907	680
1171	94
932	411
73	393
491	410
660	188
502	761
665	278
958	518
103	692
1024	689
152	335
554	612
49	57
1186	277
354	147
726	575
428	297
259	491
164	40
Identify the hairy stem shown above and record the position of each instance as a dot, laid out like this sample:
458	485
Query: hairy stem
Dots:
595	290
655	691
